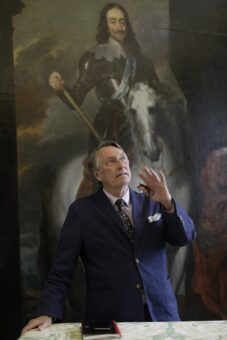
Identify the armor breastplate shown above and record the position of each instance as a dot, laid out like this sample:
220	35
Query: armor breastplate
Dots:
115	71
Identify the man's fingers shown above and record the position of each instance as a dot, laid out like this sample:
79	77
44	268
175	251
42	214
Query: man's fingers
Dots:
154	174
32	324
46	324
40	323
162	176
56	81
145	173
27	328
148	174
55	75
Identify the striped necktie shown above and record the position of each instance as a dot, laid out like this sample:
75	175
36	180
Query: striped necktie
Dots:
125	219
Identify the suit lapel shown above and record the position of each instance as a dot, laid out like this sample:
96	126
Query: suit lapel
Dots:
136	213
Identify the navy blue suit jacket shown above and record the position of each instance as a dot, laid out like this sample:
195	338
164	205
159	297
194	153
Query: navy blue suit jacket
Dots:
116	270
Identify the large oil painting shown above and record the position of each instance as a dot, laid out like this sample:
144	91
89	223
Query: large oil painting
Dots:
76	86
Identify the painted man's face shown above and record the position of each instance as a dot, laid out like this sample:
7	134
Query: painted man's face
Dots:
116	24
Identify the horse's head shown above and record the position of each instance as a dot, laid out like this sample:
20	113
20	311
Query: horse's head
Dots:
142	113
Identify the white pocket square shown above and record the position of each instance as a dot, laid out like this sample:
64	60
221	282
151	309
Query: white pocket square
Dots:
154	217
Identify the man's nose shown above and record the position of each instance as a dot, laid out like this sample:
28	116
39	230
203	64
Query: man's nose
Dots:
120	163
119	25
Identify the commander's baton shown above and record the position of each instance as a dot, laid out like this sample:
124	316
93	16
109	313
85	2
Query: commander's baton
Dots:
82	115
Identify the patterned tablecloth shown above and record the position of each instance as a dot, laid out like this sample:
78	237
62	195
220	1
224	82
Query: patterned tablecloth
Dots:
195	330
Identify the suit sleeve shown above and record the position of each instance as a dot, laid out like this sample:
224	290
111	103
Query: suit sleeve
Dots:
61	274
179	227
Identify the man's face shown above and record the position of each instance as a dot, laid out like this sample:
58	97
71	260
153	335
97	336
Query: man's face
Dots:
116	24
112	168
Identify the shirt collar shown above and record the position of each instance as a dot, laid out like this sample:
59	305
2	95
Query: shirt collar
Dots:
118	49
113	199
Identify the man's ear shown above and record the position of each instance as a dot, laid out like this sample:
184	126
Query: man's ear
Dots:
97	176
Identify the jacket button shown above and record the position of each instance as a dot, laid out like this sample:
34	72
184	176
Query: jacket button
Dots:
137	261
138	285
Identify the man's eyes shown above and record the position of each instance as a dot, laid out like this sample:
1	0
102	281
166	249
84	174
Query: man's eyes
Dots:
122	22
110	161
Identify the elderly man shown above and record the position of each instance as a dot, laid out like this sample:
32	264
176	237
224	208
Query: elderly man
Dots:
121	237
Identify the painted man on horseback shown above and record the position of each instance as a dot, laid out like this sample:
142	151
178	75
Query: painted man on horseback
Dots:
112	67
